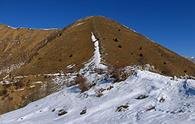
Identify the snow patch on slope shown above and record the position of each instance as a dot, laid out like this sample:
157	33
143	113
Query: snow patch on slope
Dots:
94	63
97	55
8	70
11	68
11	27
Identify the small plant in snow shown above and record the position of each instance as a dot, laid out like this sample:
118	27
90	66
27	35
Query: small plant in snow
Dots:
141	97
161	99
84	111
82	82
98	92
122	108
109	88
119	74
62	112
151	108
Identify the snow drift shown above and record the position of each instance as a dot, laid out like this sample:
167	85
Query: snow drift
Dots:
144	97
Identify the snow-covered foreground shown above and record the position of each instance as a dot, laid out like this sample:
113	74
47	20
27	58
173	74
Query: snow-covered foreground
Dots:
143	98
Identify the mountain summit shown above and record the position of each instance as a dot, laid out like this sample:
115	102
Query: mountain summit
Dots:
32	60
50	51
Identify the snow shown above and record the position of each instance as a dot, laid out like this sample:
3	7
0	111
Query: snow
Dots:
64	79
94	63
22	89
97	55
46	29
77	24
130	28
8	70
168	101
144	97
70	66
193	59
38	82
11	27
11	68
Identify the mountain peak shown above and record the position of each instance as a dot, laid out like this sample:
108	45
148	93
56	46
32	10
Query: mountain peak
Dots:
32	58
94	18
119	47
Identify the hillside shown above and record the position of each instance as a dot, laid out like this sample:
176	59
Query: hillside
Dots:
192	59
145	97
36	63
51	51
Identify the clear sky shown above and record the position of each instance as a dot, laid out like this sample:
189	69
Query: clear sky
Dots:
170	23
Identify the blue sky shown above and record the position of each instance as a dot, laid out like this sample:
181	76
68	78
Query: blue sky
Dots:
170	23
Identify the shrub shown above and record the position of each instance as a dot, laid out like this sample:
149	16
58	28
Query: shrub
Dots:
10	98
151	108
161	99
60	34
119	46
84	111
82	82
142	97
110	87
141	55
62	112
99	93
119	74
99	71
53	110
70	55
122	108
115	39
18	85
3	92
47	76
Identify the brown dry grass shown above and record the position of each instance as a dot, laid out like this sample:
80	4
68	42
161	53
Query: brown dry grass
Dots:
82	82
72	45
17	95
136	49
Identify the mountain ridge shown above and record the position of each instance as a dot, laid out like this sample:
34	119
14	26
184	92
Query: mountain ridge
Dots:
94	25
31	60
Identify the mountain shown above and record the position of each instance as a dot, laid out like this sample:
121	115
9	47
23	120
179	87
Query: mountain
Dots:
87	58
50	51
192	59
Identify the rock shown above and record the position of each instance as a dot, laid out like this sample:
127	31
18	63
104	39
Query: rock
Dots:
122	108
62	112
84	111
141	97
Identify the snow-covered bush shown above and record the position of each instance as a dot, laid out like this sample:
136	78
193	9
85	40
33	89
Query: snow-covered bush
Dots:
119	74
82	82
